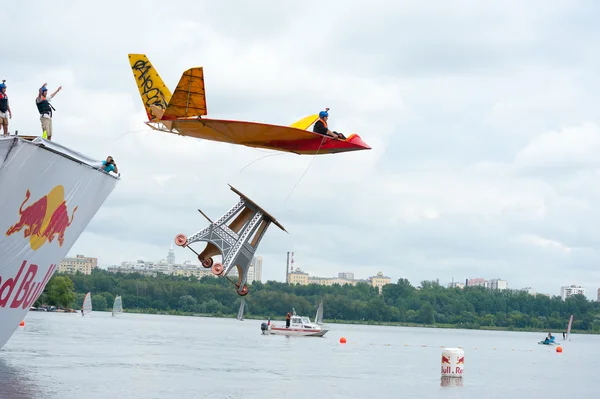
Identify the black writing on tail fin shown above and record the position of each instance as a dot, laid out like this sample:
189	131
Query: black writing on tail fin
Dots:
153	91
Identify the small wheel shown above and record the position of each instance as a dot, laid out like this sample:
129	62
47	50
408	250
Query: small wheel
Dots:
244	291
206	263
217	269
181	240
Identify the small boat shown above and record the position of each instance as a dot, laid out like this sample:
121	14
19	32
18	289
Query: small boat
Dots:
548	341
264	327
87	305
300	326
240	315
319	315
569	327
117	306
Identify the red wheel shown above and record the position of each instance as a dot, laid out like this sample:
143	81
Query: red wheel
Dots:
244	291
206	263
217	269
181	240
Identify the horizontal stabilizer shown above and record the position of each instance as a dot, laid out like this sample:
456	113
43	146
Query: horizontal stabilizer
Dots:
189	98
305	122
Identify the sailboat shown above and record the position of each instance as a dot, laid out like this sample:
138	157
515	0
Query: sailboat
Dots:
87	304
117	306
319	315
240	315
569	327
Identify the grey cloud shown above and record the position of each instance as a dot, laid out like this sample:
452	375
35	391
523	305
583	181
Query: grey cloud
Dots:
457	101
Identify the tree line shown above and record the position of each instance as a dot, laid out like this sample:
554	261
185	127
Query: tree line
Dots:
400	302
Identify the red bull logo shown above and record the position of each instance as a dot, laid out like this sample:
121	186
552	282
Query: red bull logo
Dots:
27	290
45	219
445	359
460	360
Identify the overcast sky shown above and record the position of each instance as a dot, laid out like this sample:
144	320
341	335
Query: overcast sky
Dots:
483	118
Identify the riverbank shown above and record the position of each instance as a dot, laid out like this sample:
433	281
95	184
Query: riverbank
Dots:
364	322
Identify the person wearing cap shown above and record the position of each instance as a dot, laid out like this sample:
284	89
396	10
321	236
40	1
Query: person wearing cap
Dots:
5	111
45	109
321	126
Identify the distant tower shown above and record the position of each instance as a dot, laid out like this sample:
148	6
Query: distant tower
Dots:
171	256
258	269
287	269
292	266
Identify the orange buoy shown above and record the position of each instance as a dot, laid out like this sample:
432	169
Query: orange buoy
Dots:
22	323
559	349
343	340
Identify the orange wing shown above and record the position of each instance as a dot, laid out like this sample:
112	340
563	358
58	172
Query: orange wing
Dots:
261	135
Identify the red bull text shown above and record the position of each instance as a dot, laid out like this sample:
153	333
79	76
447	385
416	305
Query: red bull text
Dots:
452	364
27	291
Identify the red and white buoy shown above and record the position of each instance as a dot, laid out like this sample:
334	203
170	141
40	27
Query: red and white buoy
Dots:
453	361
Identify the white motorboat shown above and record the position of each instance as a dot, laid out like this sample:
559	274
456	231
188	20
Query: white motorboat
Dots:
300	326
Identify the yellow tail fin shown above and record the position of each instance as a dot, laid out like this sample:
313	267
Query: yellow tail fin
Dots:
155	94
189	98
304	123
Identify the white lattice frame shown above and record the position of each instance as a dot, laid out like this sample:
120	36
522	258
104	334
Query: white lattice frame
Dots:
238	243
232	255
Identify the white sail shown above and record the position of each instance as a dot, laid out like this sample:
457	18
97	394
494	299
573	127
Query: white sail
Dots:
319	315
240	315
87	304
569	326
117	306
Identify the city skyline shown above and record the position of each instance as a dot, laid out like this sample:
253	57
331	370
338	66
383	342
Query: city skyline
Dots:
589	292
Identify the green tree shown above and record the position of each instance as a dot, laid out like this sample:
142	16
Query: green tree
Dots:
99	302
187	303
470	307
488	320
426	314
61	292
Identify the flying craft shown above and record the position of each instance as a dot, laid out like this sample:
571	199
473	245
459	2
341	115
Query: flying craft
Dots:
184	111
235	237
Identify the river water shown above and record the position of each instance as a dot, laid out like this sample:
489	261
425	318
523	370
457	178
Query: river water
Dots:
150	356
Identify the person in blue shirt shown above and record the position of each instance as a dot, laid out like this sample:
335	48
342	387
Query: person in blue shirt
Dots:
109	165
549	339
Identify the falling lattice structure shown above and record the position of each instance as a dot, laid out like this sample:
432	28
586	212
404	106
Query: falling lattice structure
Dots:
235	236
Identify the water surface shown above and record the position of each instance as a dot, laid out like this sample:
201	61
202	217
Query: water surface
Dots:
150	356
